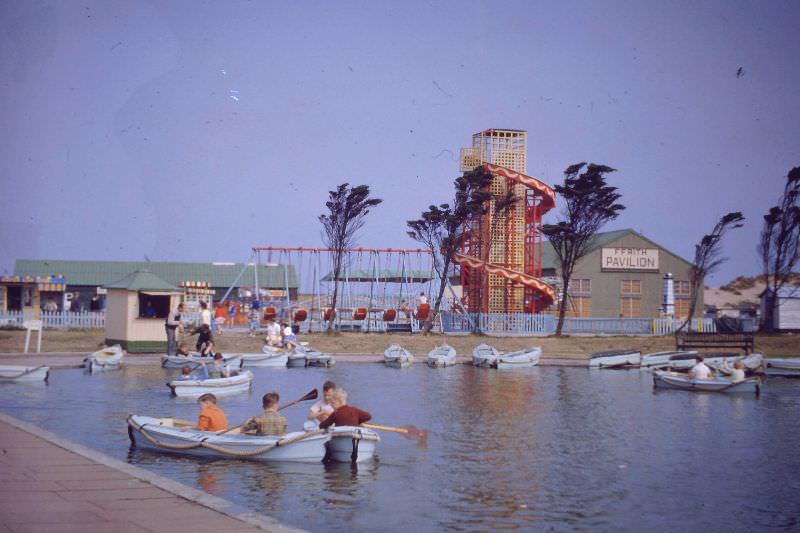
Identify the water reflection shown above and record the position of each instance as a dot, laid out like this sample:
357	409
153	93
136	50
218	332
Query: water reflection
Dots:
537	448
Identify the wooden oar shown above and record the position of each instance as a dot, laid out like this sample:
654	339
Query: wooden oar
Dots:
310	395
410	432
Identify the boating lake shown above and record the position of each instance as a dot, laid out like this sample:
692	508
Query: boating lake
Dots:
529	449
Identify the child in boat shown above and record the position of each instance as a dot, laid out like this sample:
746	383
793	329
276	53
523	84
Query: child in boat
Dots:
207	350
289	338
737	374
199	374
273	333
183	349
322	409
268	423
218	368
211	417
700	370
343	414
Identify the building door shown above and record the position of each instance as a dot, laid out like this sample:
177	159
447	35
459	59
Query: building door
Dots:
14	297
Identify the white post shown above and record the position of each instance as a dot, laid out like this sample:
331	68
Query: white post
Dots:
669	295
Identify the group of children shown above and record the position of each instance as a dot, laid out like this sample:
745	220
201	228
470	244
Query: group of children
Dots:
331	409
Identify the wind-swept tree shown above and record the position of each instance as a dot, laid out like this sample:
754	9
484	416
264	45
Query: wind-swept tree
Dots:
779	246
589	203
708	257
440	228
347	208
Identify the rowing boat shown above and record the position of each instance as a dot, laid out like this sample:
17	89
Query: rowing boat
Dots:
24	373
753	363
278	359
485	356
397	357
679	380
312	357
659	359
442	356
180	361
524	358
218	386
352	444
161	434
615	359
782	367
109	358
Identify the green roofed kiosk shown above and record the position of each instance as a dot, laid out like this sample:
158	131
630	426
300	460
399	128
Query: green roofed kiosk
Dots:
137	308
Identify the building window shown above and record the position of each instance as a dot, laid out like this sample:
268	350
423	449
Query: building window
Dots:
153	305
631	298
580	298
682	294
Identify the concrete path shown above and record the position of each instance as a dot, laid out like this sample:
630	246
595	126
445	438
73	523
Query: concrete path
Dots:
48	484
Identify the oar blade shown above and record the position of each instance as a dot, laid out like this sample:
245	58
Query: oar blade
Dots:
414	433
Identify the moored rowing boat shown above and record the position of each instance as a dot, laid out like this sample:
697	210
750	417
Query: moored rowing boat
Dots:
278	359
678	380
398	357
782	367
161	434
24	373
524	358
218	386
442	356
180	361
109	358
658	359
312	357
615	359
485	356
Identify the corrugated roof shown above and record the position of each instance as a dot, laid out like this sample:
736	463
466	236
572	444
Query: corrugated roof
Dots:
549	259
101	273
143	280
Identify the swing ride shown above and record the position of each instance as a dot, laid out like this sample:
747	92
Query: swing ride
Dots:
379	289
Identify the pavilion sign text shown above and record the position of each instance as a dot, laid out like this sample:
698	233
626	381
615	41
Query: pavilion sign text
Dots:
630	258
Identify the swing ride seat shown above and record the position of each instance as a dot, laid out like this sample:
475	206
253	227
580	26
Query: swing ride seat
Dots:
329	315
389	315
360	313
300	315
270	313
422	312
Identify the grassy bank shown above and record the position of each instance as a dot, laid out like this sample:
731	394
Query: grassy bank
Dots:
89	341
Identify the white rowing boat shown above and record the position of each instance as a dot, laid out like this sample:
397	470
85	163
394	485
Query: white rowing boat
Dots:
109	358
752	363
313	357
278	359
352	444
524	358
24	373
217	386
679	380
397	357
782	367
686	360
615	359
485	356
442	356
180	361
161	434
659	359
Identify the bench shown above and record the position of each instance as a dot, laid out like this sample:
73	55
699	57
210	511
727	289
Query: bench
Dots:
692	339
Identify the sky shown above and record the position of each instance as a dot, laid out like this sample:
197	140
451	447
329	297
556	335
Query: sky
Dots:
193	131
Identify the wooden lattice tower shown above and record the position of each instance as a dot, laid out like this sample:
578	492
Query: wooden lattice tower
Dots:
510	239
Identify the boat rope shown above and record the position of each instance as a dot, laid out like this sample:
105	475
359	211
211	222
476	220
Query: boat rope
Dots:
221	449
23	373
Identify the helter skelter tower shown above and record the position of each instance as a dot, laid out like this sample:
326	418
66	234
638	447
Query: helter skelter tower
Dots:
501	253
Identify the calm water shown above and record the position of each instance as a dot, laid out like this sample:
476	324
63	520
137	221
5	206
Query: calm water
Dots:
542	448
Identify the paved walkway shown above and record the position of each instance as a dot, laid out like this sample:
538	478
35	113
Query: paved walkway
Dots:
62	487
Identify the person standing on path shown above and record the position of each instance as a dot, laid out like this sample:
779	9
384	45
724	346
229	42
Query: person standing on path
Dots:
173	323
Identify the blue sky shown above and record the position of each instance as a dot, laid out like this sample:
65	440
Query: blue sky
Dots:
191	131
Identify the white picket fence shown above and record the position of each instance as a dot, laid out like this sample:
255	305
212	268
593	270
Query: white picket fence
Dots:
57	320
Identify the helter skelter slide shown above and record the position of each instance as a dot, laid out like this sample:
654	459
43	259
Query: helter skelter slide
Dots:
501	253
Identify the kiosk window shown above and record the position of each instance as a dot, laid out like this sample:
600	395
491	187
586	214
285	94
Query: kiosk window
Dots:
153	305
